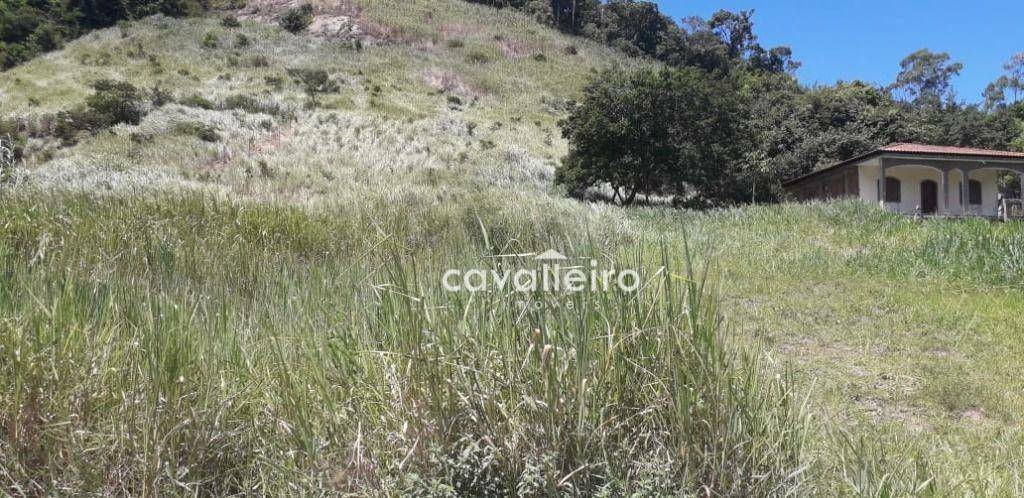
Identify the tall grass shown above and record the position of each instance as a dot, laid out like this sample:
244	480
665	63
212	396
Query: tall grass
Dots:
184	345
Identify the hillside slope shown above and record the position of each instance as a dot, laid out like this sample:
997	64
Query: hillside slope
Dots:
443	93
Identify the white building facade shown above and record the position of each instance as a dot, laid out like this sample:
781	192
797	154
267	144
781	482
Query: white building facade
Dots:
919	179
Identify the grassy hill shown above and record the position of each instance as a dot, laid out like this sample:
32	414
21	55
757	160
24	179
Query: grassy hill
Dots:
241	294
458	94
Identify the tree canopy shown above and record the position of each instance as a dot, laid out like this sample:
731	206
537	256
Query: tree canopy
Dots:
668	132
926	77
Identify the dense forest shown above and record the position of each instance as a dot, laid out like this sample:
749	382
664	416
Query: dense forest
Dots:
777	128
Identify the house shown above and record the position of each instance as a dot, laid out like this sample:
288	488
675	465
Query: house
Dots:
919	179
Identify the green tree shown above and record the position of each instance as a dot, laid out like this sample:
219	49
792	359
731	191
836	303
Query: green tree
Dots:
926	77
1016	112
775	60
672	132
736	29
1012	83
634	27
800	130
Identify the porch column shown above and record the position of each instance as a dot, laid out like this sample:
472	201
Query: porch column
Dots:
945	191
965	190
1020	179
881	182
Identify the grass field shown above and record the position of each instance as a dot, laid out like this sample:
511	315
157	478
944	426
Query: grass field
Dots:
263	313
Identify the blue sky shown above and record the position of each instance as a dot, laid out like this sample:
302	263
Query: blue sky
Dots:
867	39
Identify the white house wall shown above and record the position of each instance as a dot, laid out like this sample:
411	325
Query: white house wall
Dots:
989	191
868	181
910	178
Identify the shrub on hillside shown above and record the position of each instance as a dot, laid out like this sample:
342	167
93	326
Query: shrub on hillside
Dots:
197	101
297	19
230	21
116	102
314	82
251	105
204	132
70	124
159	97
112	103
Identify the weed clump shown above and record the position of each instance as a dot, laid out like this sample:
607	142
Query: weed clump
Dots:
159	97
258	61
230	21
252	105
13	141
11	149
197	101
477	57
204	132
275	82
210	40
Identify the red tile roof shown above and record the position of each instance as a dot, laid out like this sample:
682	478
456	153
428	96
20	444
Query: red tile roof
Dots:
947	151
905	148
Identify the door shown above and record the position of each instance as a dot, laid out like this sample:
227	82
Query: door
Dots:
929	196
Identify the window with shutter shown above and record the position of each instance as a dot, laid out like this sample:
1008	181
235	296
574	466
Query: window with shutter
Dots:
974	192
892	189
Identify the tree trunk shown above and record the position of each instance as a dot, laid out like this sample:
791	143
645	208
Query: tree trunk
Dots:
632	196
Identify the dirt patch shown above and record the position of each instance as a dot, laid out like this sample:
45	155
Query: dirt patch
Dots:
946	354
338	19
262	145
518	49
270	142
882	411
458	31
448	81
425	45
974	415
329	26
